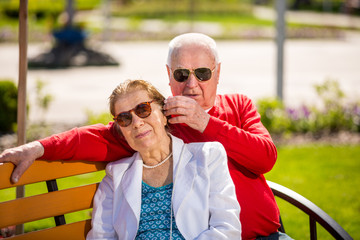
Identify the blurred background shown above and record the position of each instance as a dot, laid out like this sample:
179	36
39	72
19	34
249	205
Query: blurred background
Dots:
297	59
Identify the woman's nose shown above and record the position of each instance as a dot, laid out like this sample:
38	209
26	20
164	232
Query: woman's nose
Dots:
136	120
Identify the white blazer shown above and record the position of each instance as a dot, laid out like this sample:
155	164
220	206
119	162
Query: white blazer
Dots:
204	200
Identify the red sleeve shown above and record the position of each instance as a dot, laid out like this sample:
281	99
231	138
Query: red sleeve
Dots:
245	139
91	143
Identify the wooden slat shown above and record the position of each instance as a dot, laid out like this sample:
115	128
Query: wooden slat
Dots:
47	170
73	231
46	205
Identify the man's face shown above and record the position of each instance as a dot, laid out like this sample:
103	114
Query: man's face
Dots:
192	57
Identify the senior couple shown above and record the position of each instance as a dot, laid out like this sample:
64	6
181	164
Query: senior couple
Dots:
187	163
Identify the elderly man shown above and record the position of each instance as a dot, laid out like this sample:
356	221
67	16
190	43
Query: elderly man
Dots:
197	114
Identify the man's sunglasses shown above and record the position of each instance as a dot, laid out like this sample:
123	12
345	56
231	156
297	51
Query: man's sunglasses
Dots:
142	110
202	74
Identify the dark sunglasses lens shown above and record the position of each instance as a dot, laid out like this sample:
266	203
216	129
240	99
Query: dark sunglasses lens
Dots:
143	110
181	75
203	74
124	119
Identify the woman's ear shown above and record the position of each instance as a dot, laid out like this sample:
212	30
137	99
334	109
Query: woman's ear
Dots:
165	120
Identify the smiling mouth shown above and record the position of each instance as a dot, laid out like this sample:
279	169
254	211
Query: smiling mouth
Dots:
143	134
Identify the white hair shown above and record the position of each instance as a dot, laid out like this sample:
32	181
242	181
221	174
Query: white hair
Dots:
198	39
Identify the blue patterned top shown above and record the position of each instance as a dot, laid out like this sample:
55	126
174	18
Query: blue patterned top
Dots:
155	214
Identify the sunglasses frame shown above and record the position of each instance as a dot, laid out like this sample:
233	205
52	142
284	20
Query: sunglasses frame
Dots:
133	110
192	71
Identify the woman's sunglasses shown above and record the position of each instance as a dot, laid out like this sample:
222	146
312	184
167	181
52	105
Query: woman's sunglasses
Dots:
142	110
202	74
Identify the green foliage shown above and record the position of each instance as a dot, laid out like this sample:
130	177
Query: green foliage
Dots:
273	115
8	106
336	114
333	115
43	100
93	118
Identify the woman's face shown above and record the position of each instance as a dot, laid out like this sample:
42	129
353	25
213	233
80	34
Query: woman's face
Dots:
142	134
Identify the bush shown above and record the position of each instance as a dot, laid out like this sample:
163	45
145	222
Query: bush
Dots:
273	115
332	116
94	118
8	106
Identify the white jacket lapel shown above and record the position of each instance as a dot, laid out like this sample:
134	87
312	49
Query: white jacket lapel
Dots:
131	185
184	172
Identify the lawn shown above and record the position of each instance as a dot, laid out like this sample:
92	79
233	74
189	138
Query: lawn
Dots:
326	175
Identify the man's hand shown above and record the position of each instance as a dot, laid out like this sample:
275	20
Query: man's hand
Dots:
22	157
186	110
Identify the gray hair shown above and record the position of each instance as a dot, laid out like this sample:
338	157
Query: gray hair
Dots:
133	85
192	39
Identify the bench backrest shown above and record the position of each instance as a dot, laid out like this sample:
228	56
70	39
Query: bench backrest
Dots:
316	215
54	203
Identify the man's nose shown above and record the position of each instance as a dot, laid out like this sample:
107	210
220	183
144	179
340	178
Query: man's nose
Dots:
192	81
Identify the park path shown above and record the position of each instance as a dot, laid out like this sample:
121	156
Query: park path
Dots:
248	67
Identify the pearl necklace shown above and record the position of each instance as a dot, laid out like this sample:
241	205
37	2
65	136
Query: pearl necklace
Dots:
160	163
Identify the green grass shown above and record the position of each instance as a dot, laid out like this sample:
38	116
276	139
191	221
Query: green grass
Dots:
326	175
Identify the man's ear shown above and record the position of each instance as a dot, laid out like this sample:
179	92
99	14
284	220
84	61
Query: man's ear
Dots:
168	71
218	72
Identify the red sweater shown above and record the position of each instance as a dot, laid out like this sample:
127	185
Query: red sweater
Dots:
234	122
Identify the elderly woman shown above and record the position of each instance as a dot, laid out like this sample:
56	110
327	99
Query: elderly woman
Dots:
167	189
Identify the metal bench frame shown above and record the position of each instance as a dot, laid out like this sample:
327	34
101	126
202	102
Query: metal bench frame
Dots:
316	215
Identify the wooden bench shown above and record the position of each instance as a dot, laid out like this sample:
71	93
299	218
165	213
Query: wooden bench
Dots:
56	202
